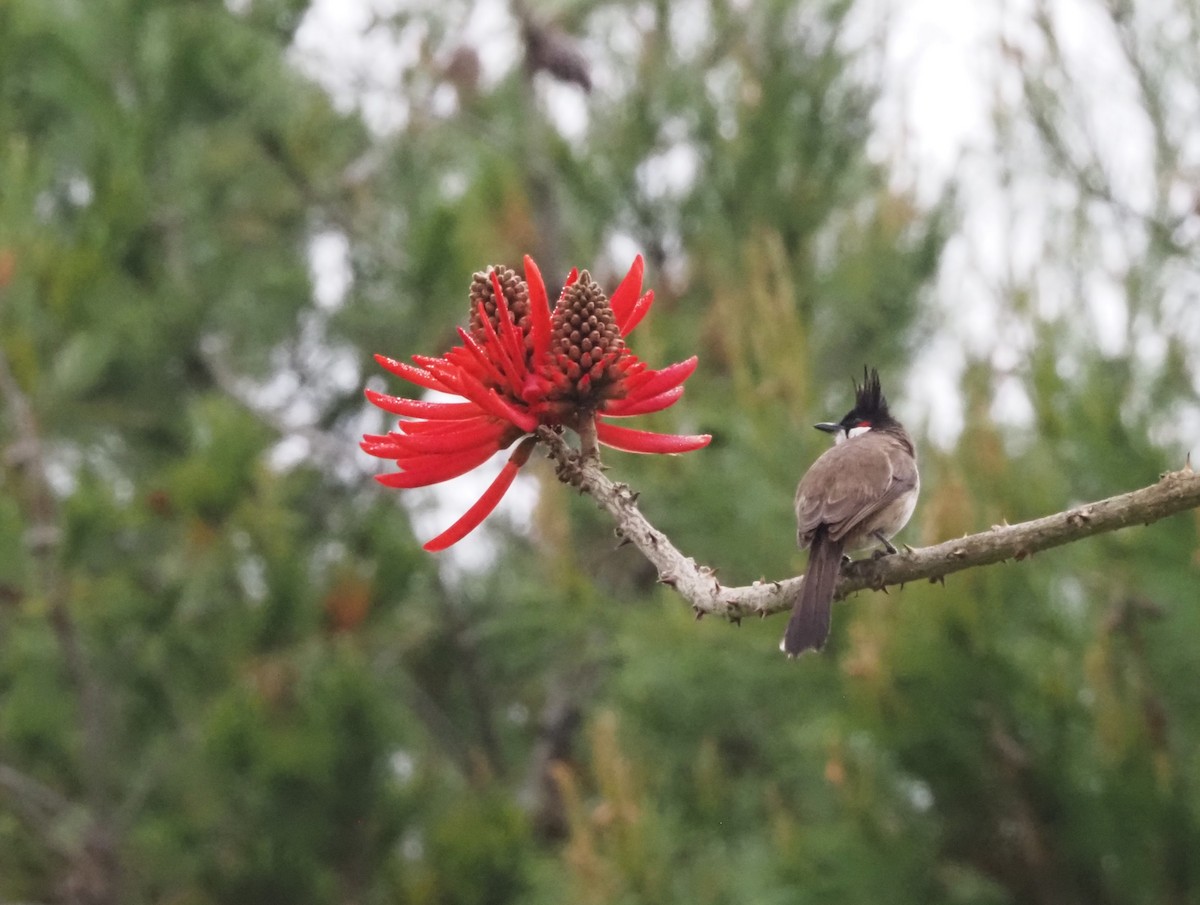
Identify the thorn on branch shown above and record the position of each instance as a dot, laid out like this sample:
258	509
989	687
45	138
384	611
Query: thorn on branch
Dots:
699	612
670	579
938	579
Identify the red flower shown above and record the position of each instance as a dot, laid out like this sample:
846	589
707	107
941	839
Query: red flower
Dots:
521	366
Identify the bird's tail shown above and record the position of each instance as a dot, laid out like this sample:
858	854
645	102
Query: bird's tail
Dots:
809	625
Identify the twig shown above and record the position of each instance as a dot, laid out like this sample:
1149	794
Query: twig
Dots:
44	536
1174	492
40	805
95	855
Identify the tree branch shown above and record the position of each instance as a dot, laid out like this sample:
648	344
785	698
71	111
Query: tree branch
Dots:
40	805
1174	492
44	539
93	875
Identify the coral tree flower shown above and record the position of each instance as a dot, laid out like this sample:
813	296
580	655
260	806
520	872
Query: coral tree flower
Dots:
520	367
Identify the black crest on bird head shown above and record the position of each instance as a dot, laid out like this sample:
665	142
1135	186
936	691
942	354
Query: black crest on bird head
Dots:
869	402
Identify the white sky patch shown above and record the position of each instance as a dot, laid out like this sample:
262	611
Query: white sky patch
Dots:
291	451
670	173
355	52
690	25
934	105
403	765
950	75
617	36
491	29
454	184
329	267
79	191
934	375
1111	105
346	48
566	106
622	249
1107	301
434	509
1010	404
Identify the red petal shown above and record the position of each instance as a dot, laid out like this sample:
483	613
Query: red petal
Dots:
406	371
651	383
495	351
446	464
452	441
491	402
464	382
379	447
427	427
623	408
481	363
626	294
421	471
514	342
638	441
539	311
416	408
482	509
448	374
485	504
639	311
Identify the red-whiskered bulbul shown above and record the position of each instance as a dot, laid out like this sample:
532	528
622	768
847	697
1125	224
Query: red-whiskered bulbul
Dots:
859	492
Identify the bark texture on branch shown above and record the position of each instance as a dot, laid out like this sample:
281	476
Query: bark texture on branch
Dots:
1174	492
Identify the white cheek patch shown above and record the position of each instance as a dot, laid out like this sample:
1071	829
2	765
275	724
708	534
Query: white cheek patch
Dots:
839	437
859	430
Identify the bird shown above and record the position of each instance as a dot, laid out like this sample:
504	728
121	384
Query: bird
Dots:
859	492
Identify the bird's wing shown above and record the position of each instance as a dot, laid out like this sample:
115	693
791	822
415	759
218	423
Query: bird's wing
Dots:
850	482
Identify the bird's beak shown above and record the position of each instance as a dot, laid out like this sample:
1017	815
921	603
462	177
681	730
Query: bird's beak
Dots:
830	427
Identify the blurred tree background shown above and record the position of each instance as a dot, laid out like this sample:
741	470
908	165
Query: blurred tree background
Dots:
229	674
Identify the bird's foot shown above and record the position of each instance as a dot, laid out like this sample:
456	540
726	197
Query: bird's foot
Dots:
887	550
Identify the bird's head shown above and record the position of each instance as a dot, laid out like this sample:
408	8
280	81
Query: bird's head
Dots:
870	411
